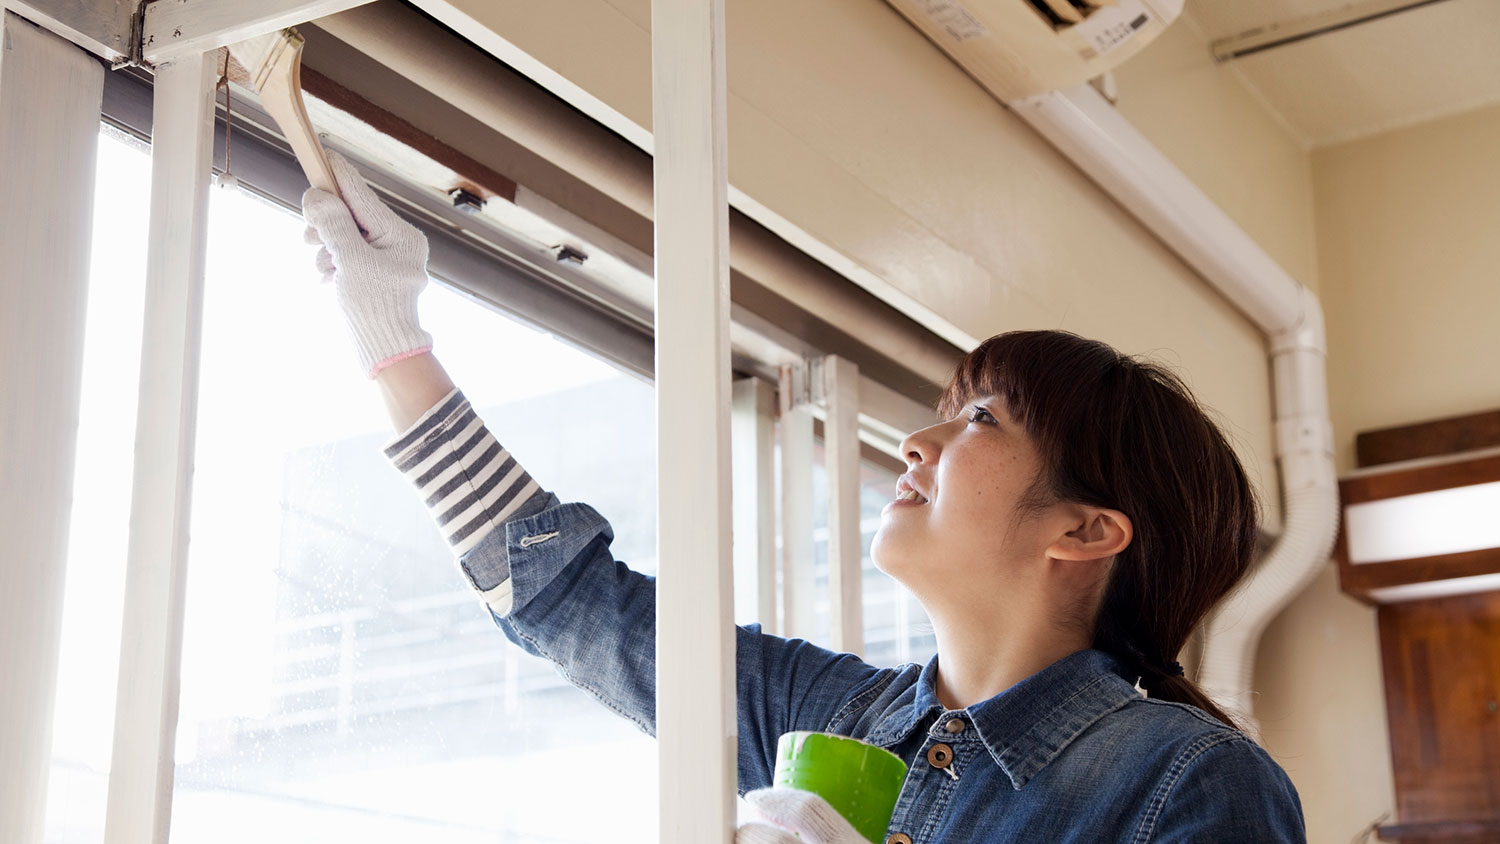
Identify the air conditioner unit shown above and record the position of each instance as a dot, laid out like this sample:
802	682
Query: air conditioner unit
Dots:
1019	48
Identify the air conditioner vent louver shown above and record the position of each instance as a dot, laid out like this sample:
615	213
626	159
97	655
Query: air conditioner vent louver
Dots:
1064	13
1019	48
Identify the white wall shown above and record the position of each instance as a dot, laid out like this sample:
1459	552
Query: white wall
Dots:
1409	242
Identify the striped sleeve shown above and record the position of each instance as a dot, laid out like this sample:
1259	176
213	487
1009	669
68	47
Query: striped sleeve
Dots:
469	483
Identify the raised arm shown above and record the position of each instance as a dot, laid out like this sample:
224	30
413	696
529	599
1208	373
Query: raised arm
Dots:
542	567
376	263
411	387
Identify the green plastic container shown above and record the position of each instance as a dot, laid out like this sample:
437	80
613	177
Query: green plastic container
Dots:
860	780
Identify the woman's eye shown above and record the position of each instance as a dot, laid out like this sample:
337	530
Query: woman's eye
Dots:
979	413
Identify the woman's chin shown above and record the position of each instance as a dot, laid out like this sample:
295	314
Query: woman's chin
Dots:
886	553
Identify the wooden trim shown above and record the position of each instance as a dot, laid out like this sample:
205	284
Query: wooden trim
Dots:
797	427
1363	488
696	727
1428	439
1348	581
49	122
1450	831
841	453
476	177
1362	578
103	29
187	29
754	501
139	805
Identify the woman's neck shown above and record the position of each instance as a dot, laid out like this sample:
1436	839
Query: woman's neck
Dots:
977	660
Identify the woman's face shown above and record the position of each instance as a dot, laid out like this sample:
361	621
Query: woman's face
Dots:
973	470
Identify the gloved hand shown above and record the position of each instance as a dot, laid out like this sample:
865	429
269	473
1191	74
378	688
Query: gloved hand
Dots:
377	263
795	817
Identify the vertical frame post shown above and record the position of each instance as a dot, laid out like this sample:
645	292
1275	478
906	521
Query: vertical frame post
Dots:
695	640
754	503
840	386
50	92
797	544
140	783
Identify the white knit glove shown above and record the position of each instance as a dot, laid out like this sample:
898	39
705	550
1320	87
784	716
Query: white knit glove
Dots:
377	263
795	817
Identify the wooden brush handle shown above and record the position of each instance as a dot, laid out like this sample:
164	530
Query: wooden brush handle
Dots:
280	89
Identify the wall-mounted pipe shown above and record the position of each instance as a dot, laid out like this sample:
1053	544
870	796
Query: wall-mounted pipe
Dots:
1096	138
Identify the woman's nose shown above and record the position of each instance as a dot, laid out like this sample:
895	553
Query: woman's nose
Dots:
921	446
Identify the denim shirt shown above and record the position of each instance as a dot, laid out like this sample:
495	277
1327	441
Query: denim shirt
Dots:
1073	753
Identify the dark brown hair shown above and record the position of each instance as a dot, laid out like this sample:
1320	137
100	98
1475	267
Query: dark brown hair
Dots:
1124	433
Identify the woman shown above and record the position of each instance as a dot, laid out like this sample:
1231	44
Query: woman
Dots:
1066	528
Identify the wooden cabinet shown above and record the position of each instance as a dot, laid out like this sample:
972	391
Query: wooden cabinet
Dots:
1439	620
1442	689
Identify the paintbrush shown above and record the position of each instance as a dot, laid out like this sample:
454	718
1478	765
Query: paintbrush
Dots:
271	66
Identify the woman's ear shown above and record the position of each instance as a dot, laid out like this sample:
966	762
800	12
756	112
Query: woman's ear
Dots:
1097	533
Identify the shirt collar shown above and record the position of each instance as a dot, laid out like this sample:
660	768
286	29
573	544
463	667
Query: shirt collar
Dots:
1028	725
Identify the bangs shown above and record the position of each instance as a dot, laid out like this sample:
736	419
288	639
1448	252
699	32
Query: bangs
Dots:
983	372
1045	379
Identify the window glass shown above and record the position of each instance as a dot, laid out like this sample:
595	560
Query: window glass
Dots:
89	658
340	681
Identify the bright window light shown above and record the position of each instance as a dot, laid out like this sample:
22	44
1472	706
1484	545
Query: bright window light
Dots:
1448	521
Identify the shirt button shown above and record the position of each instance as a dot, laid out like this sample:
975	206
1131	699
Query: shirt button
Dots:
898	838
955	726
940	756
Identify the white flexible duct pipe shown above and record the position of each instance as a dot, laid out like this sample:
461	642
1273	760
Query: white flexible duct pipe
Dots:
1096	138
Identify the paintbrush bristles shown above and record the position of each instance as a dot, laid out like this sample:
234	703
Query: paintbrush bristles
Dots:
251	61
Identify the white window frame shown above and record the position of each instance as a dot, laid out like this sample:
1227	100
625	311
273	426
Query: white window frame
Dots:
49	115
690	317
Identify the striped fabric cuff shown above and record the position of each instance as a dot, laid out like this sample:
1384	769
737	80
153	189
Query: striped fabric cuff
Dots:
469	483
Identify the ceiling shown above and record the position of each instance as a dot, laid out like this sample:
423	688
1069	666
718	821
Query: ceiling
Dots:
1405	68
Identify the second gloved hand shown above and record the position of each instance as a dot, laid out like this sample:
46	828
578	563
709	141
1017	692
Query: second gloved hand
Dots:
377	263
795	817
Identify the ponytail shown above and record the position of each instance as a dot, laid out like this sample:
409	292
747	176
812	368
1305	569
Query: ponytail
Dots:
1180	689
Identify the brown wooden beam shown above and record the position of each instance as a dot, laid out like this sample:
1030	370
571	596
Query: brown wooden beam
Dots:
1428	439
1362	578
1421	479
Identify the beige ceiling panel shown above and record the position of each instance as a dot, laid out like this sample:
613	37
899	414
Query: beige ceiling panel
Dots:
1223	18
1382	74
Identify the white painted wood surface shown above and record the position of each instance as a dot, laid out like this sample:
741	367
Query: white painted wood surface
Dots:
797	547
841	456
102	28
140	783
695	705
183	28
754	503
49	117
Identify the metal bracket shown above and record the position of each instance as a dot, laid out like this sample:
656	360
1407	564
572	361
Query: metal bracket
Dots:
801	383
133	58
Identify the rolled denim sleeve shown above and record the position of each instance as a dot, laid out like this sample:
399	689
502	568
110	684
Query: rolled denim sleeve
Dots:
1227	790
572	603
